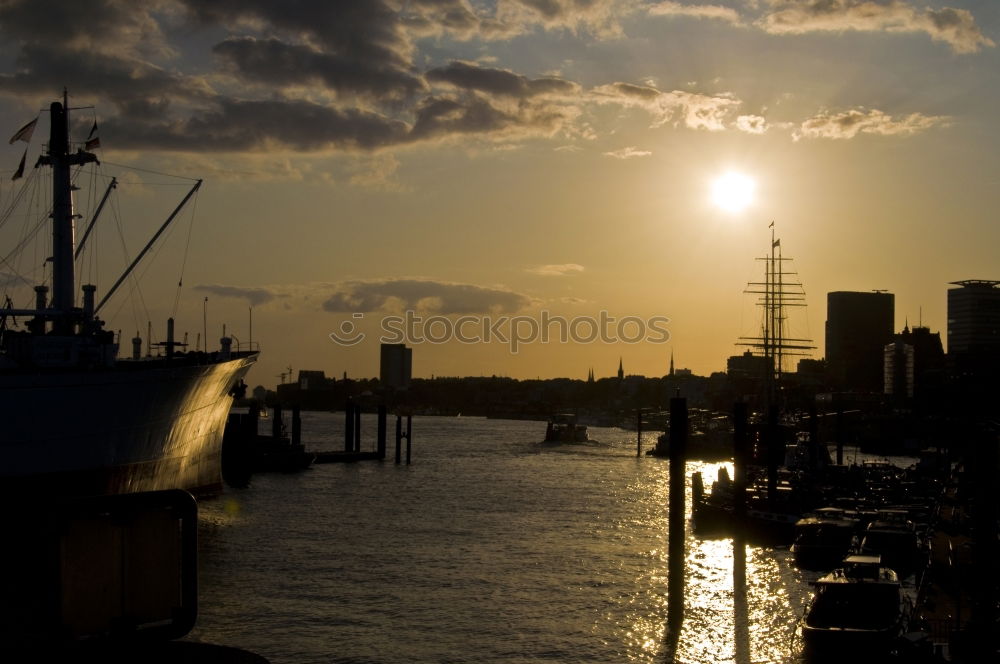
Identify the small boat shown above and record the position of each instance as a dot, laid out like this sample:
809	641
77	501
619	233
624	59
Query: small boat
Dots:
893	537
563	428
858	611
823	538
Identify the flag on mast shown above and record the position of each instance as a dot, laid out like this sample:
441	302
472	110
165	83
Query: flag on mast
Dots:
19	173
93	141
24	133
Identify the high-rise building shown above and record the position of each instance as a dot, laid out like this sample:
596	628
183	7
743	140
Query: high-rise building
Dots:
396	366
914	365
973	316
858	327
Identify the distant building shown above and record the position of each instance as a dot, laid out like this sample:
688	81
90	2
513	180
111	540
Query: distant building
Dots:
395	366
621	370
974	343
858	327
899	370
309	379
914	365
748	365
974	316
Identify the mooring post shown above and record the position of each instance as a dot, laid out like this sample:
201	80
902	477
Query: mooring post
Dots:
409	437
638	432
775	453
814	453
675	545
357	427
296	425
741	454
840	435
276	422
380	437
349	426
399	438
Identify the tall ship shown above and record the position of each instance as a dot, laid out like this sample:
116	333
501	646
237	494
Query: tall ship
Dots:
77	418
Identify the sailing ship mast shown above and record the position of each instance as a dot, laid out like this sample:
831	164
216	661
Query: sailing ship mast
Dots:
776	293
63	218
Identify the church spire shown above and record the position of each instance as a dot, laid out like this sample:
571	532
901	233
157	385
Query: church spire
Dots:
621	371
671	361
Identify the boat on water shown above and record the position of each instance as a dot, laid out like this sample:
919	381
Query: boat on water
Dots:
824	537
858	612
563	428
893	537
79	419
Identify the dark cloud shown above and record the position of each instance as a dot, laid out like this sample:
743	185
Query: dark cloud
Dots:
132	85
356	30
281	64
101	25
238	126
501	82
440	117
423	295
255	296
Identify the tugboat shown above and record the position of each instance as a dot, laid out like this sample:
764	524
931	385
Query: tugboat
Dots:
563	428
858	612
79	420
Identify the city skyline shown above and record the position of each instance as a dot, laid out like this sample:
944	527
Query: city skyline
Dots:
509	158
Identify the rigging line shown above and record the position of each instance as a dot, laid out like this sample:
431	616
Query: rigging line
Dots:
9	211
146	170
187	246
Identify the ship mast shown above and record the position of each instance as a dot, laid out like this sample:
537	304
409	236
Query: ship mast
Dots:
775	294
60	159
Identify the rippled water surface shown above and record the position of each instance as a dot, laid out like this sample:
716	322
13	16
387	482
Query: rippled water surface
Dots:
490	547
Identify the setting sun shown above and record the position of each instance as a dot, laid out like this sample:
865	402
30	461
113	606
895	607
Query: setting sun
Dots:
733	192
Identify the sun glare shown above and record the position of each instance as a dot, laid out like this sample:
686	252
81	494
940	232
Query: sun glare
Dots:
733	192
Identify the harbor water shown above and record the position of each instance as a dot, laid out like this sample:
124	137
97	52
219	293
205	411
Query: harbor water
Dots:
490	547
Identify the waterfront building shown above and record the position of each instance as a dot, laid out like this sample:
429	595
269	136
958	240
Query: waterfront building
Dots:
395	366
858	327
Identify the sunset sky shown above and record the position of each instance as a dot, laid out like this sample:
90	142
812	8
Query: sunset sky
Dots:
513	157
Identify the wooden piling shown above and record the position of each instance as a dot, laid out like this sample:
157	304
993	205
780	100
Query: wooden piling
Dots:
349	426
638	432
840	435
409	437
357	427
399	438
741	456
775	452
380	437
276	422
296	425
676	524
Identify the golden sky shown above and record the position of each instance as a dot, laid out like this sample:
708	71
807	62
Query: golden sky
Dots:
516	158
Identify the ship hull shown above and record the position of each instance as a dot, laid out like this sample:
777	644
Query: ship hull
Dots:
143	426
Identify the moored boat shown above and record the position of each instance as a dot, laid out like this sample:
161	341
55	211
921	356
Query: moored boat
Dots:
80	420
858	612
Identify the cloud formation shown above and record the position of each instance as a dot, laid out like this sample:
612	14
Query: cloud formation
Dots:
427	295
255	296
849	124
629	152
693	110
670	8
955	27
500	82
558	270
